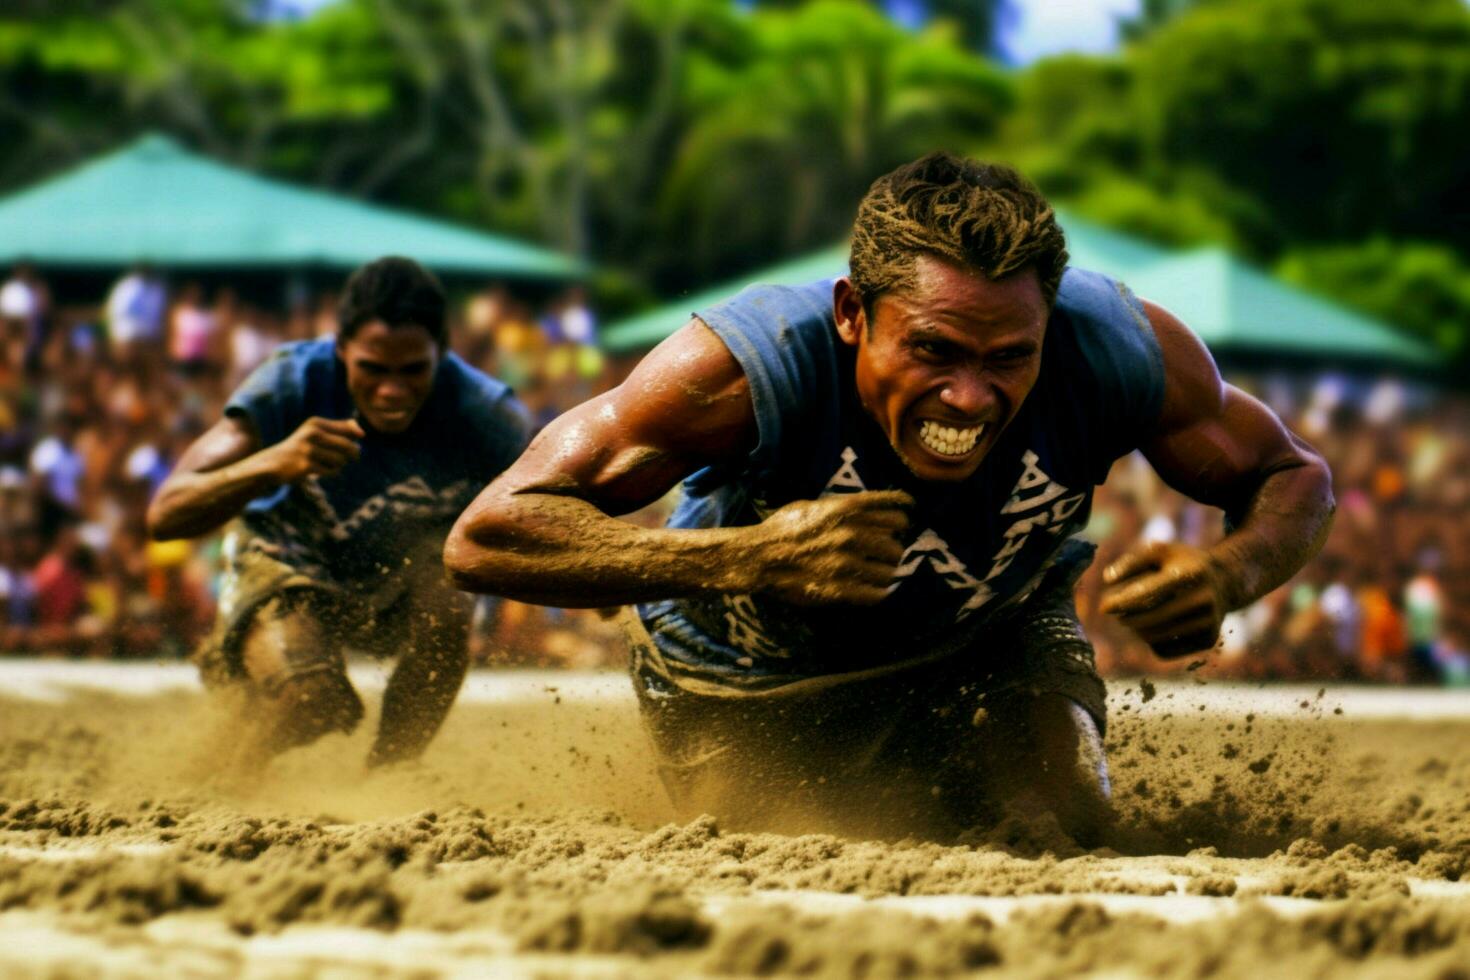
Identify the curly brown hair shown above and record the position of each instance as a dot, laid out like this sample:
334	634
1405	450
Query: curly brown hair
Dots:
983	215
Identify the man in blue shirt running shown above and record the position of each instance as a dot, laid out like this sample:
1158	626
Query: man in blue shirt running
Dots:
860	615
343	462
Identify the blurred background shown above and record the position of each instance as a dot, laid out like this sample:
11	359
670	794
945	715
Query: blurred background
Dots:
186	182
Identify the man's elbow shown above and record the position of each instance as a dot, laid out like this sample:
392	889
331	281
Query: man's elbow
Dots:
457	565
159	522
1306	456
1312	482
1329	501
1322	475
470	560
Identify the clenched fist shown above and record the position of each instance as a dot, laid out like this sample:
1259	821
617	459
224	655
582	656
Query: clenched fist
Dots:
1172	595
318	447
840	549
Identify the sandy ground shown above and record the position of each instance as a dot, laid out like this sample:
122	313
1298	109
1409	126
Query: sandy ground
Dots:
1261	831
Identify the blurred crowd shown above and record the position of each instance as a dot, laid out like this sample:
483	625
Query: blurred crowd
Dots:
98	401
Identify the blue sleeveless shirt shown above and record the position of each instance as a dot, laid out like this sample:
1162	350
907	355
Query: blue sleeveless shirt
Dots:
974	550
400	497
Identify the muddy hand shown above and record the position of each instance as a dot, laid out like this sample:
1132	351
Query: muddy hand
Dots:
840	549
1171	595
318	447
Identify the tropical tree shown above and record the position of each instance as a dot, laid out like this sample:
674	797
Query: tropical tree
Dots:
1339	116
1421	285
783	141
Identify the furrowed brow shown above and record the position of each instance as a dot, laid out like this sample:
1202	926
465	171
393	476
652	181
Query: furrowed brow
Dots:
928	332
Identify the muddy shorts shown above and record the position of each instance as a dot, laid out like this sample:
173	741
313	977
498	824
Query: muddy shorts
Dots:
914	728
260	586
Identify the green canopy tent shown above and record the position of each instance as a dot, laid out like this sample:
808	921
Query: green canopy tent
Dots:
155	201
1236	310
646	329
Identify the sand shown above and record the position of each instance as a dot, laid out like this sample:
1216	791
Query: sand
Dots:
1257	833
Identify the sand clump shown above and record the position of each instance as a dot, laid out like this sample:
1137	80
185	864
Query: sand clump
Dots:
544	826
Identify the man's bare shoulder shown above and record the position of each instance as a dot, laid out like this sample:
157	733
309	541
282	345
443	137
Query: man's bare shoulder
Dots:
689	395
684	407
1192	385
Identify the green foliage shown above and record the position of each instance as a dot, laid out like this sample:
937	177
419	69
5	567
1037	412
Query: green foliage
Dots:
1261	124
1336	114
1179	219
1072	125
783	141
1151	15
976	21
1075	131
1419	285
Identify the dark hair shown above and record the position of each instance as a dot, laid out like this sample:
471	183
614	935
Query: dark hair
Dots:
983	215
398	291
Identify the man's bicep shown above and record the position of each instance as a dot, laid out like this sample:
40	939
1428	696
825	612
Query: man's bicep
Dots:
685	406
228	441
1213	441
1220	459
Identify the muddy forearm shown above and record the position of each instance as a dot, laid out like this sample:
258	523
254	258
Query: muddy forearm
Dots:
191	504
561	551
1282	527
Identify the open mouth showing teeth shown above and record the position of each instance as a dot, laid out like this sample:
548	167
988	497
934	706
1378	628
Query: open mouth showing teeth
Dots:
948	441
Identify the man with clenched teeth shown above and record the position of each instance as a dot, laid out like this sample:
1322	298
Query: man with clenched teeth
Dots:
860	615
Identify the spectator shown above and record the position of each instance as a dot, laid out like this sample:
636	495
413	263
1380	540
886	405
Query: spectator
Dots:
1424	621
1344	619
1383	642
20	297
1452	658
18	534
135	311
56	461
61	580
192	328
574	321
23	307
250	343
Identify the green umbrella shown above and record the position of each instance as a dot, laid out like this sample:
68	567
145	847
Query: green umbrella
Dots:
1235	308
